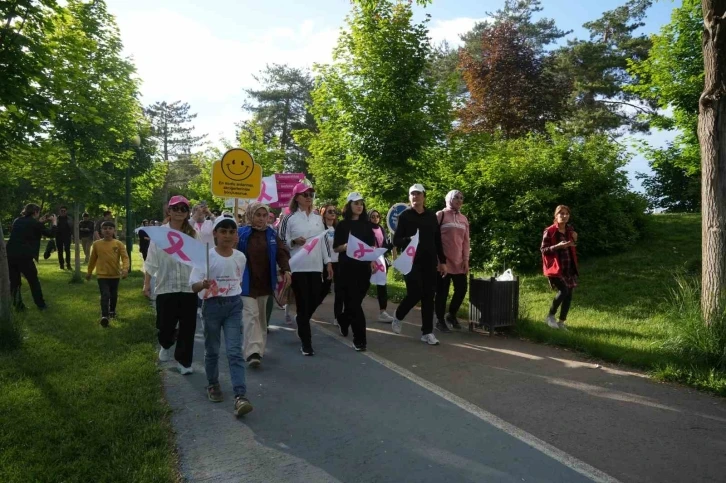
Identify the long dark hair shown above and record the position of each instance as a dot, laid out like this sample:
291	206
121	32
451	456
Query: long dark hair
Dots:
348	212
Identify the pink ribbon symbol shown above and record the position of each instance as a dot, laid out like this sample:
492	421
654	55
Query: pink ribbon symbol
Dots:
380	267
411	252
263	193
361	251
177	243
310	246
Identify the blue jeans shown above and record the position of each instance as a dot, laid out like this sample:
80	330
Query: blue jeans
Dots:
224	313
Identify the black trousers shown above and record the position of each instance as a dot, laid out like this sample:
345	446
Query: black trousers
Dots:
563	298
172	309
325	290
356	280
306	287
109	295
382	292
63	245
442	293
26	267
420	286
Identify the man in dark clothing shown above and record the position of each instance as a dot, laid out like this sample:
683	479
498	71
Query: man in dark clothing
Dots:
144	240
85	231
63	236
428	260
22	248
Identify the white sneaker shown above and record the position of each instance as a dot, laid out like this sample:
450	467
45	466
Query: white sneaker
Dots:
165	355
335	323
430	339
561	325
552	322
396	325
385	317
184	370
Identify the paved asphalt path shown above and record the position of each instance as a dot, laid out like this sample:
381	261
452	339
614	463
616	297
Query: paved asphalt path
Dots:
339	416
474	408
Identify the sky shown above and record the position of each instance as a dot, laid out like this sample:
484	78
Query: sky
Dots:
206	52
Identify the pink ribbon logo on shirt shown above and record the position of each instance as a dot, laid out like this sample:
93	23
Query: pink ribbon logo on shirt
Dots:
177	243
361	251
310	246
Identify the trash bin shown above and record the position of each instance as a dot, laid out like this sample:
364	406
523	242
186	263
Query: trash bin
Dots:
492	303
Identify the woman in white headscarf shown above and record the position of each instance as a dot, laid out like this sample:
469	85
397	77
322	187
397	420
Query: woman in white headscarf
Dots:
455	239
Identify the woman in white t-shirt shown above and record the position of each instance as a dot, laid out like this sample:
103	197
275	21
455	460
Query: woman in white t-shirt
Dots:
222	309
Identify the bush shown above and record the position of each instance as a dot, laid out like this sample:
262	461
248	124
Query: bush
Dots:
512	187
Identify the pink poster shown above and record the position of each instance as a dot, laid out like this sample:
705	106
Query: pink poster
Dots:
285	183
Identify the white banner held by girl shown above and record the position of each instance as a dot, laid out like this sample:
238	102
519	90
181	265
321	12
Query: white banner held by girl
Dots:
379	272
311	248
182	248
357	250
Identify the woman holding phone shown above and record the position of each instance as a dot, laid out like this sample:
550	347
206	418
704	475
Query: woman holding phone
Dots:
559	264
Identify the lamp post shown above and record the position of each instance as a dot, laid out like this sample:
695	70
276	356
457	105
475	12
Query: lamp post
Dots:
136	141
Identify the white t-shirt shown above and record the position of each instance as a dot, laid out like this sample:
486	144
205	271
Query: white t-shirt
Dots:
225	275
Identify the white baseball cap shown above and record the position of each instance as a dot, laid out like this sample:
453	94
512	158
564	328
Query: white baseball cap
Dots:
417	187
354	196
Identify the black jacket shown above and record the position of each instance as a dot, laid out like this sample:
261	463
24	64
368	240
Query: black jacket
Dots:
85	228
429	242
25	237
65	228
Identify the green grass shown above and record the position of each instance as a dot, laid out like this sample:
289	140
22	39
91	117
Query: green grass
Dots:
79	402
623	309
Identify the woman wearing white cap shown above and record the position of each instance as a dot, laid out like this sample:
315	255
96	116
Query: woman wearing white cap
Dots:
355	275
175	301
421	280
296	229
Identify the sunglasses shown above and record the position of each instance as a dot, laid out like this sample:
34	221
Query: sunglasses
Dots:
331	212
307	195
182	208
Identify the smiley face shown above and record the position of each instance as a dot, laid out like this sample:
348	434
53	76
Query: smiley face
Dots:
237	164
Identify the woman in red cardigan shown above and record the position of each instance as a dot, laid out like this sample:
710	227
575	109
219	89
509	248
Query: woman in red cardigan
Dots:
559	264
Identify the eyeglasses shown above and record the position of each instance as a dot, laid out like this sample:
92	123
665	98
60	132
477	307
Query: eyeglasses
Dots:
182	208
307	195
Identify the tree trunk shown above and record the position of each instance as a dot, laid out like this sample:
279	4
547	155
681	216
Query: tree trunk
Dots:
77	278
712	138
6	314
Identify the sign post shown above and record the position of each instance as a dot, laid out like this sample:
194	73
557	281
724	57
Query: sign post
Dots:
393	214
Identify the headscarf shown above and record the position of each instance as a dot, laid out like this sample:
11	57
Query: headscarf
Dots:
449	198
252	209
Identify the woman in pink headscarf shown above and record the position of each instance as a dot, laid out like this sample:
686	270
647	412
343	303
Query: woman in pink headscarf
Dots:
455	239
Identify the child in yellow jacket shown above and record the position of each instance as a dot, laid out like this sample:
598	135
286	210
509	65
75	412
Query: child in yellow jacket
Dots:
106	257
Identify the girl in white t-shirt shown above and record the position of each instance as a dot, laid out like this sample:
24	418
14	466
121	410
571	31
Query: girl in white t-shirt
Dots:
222	310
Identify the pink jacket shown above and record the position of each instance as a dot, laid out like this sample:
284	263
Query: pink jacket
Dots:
455	238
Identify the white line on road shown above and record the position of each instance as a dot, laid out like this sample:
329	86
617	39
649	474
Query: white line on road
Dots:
558	455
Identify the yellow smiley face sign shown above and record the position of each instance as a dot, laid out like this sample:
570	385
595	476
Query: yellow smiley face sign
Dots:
236	175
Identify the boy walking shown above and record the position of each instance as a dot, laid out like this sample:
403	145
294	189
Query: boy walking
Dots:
222	311
106	257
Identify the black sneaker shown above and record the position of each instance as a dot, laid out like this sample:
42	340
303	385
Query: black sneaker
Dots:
254	361
104	322
442	327
307	350
452	321
359	347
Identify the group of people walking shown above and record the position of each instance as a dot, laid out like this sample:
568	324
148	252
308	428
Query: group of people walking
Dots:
248	265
